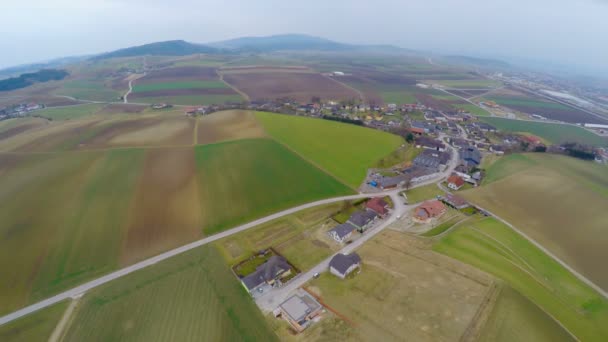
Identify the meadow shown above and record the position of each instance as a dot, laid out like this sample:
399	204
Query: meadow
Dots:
554	133
493	247
188	297
468	83
558	201
345	151
191	100
473	109
35	327
138	88
423	193
89	89
71	112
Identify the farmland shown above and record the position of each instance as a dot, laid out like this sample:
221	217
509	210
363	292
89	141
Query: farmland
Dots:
554	133
273	84
382	88
69	113
345	151
228	125
404	292
194	294
473	109
495	248
559	201
242	180
467	83
35	327
89	89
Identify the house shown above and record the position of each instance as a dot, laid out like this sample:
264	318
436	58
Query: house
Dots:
486	127
462	171
392	182
362	219
300	309
428	211
341	233
455	182
430	143
497	149
454	201
470	156
429	161
378	205
267	273
342	265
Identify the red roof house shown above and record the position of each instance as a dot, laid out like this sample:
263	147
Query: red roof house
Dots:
429	210
455	182
378	205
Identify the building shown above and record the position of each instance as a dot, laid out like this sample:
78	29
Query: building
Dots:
378	205
455	182
428	211
362	219
497	149
392	182
341	233
342	265
470	156
455	202
429	161
300	309
267	273
430	143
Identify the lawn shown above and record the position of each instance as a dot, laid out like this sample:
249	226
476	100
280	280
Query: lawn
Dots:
345	151
495	248
473	109
442	227
37	326
554	133
423	193
403	155
558	201
71	112
189	297
246	179
140	88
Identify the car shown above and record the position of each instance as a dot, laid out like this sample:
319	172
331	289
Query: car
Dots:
316	275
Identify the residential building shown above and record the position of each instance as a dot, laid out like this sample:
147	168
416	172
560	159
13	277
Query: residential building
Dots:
267	273
342	265
455	201
455	182
430	143
428	211
378	205
470	156
341	233
362	219
300	310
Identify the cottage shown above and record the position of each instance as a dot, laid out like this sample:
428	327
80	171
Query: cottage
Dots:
378	205
455	182
300	309
267	273
342	233
342	265
362	219
428	211
455	202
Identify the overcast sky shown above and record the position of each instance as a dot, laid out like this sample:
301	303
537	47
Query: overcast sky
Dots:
573	32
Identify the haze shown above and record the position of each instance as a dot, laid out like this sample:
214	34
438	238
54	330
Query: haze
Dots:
562	32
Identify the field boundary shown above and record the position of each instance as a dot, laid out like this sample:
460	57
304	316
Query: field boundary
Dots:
221	76
359	92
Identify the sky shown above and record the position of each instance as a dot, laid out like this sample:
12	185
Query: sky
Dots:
564	32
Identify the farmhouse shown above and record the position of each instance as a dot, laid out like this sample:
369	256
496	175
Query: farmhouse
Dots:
455	202
342	265
430	143
300	309
362	219
428	211
392	182
455	182
342	233
268	273
378	205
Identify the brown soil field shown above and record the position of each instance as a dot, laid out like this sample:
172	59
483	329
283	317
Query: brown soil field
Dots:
165	212
58	137
228	125
181	73
300	86
570	115
182	92
122	108
18	129
261	68
365	86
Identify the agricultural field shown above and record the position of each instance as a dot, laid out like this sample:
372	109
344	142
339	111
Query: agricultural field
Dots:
91	90
554	133
345	151
382	88
493	247
228	125
35	327
269	83
71	112
473	109
246	179
14	127
558	201
404	292
195	295
190	85
467	83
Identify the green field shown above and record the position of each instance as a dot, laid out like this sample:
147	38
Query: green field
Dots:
92	90
247	179
495	248
190	297
140	88
423	193
515	318
507	166
71	112
346	151
526	102
554	133
398	97
473	109
35	327
478	83
190	100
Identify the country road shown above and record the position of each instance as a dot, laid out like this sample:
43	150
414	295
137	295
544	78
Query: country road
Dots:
126	97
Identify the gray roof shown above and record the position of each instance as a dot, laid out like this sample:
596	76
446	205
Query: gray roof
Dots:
298	306
267	271
427	161
362	218
386	182
342	263
343	229
471	155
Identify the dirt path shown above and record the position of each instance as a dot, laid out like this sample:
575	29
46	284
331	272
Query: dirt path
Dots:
221	76
65	321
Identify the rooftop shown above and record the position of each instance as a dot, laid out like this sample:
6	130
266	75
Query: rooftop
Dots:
342	262
300	305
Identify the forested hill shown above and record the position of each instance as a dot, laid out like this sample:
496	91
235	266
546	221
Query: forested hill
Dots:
26	80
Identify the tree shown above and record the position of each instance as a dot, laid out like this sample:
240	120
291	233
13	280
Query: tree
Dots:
408	183
409	138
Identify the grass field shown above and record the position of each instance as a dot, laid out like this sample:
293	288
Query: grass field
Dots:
228	125
559	201
69	113
179	85
473	109
423	193
92	90
191	100
190	297
554	133
515	318
526	102
35	327
495	248
246	179
478	83
346	151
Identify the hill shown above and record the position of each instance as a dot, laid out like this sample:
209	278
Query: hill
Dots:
167	48
26	80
